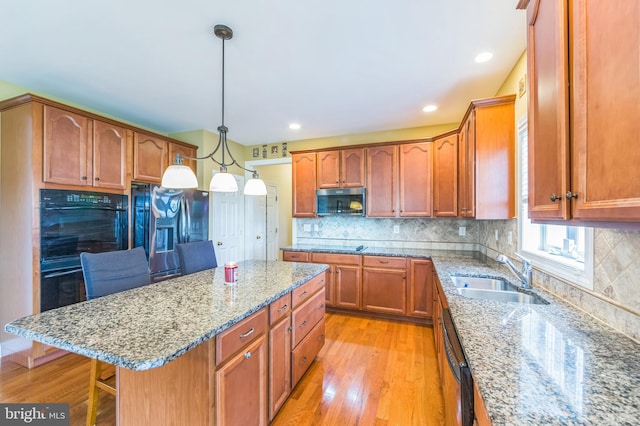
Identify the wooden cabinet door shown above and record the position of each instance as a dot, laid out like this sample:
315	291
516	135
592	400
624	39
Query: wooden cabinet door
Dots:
328	169
347	286
381	181
384	290
420	288
466	167
149	158
109	155
67	149
352	167
415	182
303	167
184	151
547	62
279	365
445	177
241	387
605	110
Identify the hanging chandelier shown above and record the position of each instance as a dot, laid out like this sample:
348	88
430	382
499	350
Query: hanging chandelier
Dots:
179	176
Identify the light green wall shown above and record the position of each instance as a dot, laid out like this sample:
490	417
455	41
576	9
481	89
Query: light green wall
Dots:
353	139
512	83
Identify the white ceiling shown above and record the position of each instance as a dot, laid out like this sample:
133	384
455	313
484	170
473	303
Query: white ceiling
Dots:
335	66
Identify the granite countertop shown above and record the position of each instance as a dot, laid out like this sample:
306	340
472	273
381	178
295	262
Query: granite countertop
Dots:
534	364
147	327
370	251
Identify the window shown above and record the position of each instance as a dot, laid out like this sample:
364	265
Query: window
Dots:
564	251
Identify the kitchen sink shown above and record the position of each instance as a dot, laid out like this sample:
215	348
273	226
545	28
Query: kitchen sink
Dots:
482	283
501	295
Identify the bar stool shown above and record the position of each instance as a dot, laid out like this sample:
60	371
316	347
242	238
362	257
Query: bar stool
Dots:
196	256
108	273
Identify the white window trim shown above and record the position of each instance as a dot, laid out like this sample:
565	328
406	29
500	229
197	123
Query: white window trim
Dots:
544	262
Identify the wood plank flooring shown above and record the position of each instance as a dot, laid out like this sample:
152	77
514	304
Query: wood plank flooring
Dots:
370	372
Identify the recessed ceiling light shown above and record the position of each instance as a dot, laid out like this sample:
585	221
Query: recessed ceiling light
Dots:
295	126
484	57
430	108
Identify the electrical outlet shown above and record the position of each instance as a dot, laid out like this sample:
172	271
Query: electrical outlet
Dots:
510	238
462	231
396	229
315	228
307	227
496	235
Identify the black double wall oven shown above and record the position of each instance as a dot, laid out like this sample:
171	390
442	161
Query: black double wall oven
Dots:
72	222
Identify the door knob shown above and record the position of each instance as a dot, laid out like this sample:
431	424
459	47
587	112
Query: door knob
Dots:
258	237
219	243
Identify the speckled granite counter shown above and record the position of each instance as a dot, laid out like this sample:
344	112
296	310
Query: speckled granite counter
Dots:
149	326
370	251
536	364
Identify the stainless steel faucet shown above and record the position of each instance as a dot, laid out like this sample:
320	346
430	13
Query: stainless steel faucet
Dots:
527	272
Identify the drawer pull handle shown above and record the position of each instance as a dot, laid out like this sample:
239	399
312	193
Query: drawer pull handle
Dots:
384	262
284	308
303	361
248	333
303	294
320	337
304	324
247	355
321	306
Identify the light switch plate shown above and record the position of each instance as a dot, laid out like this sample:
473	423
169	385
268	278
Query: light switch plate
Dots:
396	229
462	231
315	228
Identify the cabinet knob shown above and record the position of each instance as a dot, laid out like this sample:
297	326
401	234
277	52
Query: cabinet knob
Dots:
555	198
569	195
247	355
84	178
97	179
304	360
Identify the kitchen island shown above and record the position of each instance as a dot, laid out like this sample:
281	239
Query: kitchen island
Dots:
161	337
532	364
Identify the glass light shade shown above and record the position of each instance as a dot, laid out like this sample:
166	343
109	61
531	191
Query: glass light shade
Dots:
255	186
178	176
223	182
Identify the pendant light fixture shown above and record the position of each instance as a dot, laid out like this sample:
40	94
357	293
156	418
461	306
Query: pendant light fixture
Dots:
179	176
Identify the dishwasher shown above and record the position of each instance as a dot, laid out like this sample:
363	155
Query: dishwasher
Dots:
457	382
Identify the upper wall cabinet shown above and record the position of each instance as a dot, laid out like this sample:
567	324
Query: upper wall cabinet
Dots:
445	179
486	185
341	168
584	104
184	151
303	167
415	179
150	157
80	151
382	175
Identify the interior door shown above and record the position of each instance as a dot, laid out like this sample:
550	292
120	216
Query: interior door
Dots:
227	218
262	242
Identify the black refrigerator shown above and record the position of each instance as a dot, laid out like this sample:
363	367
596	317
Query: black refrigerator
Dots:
165	217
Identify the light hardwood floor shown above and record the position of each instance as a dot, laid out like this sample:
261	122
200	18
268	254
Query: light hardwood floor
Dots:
370	372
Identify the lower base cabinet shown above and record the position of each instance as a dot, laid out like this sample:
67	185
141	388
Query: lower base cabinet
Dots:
279	354
303	355
393	286
241	387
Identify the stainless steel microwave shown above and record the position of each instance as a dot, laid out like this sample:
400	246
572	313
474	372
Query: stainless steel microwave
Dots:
341	201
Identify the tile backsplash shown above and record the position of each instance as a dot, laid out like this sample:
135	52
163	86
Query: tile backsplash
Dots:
615	298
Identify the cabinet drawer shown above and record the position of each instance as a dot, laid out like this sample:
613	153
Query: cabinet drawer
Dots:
295	256
306	290
306	316
305	353
233	339
336	259
385	261
279	308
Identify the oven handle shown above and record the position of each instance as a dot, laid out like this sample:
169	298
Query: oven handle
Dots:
60	274
111	209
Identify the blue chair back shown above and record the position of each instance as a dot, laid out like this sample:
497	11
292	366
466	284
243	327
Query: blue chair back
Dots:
114	271
196	256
